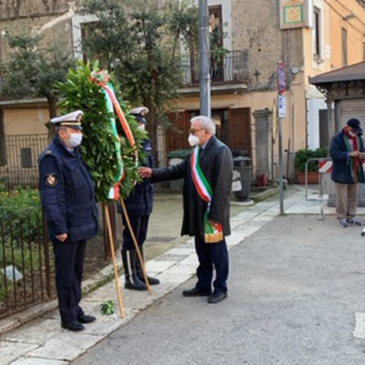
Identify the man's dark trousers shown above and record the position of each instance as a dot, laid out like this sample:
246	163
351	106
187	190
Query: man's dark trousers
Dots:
210	254
139	226
69	260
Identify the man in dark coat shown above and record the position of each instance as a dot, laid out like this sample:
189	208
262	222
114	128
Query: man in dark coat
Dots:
347	153
216	165
139	206
68	199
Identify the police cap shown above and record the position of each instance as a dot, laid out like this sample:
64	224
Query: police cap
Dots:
71	120
139	114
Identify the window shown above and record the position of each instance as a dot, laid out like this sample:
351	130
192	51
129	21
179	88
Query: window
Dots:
344	47
26	155
316	34
216	42
216	26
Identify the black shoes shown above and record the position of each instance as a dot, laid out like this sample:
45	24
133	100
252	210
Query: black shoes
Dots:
72	326
217	297
196	292
151	281
86	319
132	282
76	325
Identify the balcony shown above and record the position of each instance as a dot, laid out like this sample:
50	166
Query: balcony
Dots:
231	69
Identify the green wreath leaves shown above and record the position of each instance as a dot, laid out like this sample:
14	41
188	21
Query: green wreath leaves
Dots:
98	150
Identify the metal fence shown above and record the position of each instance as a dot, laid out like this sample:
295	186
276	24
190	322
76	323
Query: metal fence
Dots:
231	67
26	260
26	274
20	162
325	192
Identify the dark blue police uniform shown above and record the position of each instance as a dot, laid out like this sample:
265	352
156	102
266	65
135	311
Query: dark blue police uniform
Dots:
139	205
68	199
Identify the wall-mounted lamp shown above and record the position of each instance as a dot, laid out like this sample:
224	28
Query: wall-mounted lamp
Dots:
350	16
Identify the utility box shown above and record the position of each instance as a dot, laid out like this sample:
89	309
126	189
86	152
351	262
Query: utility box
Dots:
174	158
241	182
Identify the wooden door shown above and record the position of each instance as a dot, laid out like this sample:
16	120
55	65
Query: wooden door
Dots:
239	125
177	135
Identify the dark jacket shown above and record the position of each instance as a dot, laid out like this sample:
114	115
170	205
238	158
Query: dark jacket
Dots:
67	193
340	154
217	166
140	202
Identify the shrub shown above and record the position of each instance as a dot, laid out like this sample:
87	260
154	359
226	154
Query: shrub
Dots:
303	155
20	212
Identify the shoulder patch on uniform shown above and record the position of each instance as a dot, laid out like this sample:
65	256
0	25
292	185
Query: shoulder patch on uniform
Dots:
51	180
49	152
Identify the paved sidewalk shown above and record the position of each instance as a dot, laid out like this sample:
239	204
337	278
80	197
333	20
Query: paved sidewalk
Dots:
43	342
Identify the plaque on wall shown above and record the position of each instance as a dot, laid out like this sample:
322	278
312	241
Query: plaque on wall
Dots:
293	14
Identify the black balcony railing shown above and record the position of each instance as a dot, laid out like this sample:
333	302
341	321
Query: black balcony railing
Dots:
228	69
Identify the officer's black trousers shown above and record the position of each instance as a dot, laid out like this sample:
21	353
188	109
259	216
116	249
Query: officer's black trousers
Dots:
139	225
69	262
210	254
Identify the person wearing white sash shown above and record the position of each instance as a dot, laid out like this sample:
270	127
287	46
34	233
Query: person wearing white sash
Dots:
207	174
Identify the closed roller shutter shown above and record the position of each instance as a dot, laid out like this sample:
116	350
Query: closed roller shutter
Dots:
353	109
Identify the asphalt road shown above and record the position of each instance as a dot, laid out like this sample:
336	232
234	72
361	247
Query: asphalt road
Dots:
294	288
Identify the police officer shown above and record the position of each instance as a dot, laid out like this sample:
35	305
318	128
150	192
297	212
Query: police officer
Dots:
139	207
68	199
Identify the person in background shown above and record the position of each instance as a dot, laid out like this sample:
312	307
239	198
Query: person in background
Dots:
68	199
347	153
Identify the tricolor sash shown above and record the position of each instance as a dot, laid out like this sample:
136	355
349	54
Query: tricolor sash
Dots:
101	78
213	233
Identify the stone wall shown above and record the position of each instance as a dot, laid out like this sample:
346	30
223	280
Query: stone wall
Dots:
255	28
51	18
33	8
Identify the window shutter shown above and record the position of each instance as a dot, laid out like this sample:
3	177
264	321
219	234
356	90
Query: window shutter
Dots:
239	121
178	133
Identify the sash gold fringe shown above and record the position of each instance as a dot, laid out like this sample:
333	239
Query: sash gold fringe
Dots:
213	237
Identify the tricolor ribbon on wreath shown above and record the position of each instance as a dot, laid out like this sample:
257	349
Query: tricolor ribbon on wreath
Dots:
213	232
102	78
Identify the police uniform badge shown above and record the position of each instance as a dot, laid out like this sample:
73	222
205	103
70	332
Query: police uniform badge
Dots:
51	180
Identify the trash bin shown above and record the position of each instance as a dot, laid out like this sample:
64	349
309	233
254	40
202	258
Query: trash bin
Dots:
174	158
242	171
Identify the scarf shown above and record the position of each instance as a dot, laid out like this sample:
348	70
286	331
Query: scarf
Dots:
353	146
213	232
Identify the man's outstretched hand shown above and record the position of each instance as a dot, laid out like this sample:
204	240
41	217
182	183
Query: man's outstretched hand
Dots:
145	172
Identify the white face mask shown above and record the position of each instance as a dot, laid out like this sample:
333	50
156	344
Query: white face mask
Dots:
193	140
75	139
141	127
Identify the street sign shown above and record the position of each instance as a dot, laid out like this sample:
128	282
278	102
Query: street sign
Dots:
281	77
282	106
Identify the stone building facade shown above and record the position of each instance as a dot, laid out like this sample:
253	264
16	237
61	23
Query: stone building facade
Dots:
257	35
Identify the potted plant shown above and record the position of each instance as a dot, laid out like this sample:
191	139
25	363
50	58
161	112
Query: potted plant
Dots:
301	157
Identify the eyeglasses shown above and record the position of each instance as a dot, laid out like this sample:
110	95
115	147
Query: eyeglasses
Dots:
193	131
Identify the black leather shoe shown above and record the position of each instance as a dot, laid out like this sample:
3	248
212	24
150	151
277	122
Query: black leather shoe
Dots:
86	319
196	292
151	281
72	326
136	284
217	297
